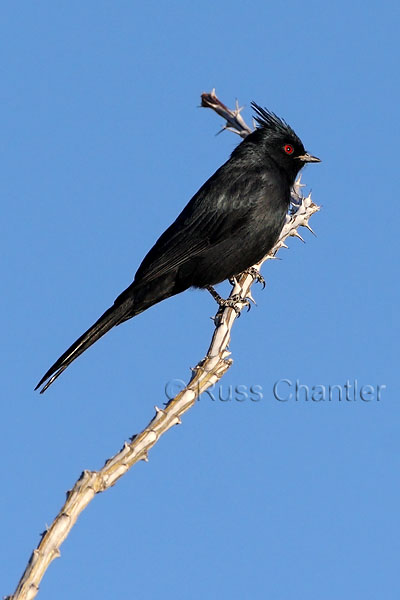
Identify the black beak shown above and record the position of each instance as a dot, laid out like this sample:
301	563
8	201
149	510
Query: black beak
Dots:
308	158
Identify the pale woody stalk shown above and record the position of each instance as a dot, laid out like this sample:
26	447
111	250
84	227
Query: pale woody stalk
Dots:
205	374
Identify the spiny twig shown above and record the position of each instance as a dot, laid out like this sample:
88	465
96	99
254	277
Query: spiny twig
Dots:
233	118
207	372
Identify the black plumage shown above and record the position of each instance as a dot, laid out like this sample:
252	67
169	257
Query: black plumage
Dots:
229	225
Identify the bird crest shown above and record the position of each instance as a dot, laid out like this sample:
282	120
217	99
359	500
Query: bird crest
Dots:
268	120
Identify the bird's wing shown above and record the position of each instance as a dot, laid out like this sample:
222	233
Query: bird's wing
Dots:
212	215
179	243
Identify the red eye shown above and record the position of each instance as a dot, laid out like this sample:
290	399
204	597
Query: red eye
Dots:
288	149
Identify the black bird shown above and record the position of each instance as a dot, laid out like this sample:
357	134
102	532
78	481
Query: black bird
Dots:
229	225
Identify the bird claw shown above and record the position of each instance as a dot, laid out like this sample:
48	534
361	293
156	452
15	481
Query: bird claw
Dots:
235	301
256	275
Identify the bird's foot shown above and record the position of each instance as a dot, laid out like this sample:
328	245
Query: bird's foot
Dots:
236	301
256	275
251	271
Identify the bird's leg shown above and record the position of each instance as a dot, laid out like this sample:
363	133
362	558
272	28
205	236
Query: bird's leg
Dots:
231	302
215	294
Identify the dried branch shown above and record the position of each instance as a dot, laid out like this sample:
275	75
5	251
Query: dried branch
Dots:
233	118
205	374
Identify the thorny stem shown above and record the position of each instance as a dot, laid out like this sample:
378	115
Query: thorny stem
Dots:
207	372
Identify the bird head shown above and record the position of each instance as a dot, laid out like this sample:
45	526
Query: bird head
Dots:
280	142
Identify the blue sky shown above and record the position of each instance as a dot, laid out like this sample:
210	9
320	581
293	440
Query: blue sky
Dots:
103	143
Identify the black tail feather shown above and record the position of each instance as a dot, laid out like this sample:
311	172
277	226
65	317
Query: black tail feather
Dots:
114	315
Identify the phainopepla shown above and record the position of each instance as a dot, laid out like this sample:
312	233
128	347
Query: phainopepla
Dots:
232	222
